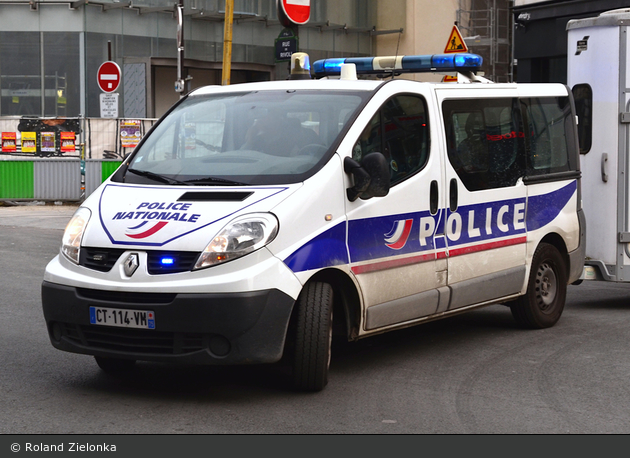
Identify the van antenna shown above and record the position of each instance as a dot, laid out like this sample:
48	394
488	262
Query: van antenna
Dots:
396	57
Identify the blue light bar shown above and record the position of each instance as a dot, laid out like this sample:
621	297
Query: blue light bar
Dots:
458	62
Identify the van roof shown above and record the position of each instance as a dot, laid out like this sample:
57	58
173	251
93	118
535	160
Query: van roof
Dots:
613	17
322	84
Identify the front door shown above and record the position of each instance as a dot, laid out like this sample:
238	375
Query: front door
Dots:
391	239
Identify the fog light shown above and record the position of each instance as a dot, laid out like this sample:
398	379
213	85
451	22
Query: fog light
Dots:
219	346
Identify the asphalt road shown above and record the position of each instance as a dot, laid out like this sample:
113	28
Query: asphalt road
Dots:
472	374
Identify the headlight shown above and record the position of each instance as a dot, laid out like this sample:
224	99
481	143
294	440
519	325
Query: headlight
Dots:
71	241
241	236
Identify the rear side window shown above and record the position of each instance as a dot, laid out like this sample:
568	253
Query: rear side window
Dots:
548	123
484	139
492	143
400	131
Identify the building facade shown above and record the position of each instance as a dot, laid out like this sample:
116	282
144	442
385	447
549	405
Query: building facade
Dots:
50	50
540	36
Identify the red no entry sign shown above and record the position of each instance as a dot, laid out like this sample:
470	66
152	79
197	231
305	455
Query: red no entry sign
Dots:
298	11
108	76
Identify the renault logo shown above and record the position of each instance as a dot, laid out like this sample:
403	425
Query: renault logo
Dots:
131	264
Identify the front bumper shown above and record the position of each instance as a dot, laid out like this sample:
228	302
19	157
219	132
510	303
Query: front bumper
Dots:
196	328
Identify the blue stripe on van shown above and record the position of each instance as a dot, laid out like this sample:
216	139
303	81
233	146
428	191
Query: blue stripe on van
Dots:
367	237
543	209
325	250
405	234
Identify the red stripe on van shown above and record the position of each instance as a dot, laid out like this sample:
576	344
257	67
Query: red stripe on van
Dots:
384	265
390	264
486	246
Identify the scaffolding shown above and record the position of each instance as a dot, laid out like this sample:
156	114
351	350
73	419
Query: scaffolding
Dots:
486	26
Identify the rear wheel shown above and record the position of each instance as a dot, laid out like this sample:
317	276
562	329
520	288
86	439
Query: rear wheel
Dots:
115	366
313	337
544	302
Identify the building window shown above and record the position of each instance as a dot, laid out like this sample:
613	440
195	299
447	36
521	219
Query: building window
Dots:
20	78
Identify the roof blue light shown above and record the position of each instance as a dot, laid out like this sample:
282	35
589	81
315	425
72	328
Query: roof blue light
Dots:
400	64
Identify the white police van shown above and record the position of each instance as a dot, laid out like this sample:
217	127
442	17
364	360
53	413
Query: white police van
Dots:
256	220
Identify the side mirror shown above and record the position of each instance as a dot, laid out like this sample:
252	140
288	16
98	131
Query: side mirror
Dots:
371	176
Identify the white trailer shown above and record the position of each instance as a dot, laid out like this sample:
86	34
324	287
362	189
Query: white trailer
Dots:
599	76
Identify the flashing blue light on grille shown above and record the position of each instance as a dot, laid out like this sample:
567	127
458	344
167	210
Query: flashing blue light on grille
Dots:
400	64
167	261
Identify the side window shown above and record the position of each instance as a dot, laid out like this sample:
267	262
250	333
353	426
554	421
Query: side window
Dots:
547	121
583	96
484	137
399	130
370	139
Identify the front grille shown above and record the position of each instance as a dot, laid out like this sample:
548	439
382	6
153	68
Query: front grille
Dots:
103	259
182	261
143	341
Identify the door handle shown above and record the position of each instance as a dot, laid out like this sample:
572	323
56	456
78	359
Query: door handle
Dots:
453	195
433	197
604	161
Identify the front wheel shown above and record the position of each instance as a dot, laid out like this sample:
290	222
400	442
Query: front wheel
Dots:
313	337
543	303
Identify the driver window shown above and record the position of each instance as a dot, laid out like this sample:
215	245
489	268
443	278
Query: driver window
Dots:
370	139
400	131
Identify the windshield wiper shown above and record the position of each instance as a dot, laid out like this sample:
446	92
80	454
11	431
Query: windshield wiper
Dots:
214	180
156	177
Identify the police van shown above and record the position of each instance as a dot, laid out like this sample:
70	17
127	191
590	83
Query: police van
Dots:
255	221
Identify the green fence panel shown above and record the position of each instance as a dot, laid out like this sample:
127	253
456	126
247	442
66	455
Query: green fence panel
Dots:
109	167
16	180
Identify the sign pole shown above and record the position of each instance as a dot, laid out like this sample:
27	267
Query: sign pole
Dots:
227	42
291	14
179	83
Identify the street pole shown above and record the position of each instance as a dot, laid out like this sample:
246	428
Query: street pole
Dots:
227	42
179	84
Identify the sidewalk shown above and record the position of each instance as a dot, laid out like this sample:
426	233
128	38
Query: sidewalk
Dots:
36	214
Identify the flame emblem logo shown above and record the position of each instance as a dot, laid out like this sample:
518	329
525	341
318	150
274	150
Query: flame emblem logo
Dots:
142	232
398	236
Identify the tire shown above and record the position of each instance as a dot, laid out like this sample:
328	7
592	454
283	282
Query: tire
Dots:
313	337
542	305
115	366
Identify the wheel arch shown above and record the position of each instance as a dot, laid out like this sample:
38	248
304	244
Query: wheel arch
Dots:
557	241
346	301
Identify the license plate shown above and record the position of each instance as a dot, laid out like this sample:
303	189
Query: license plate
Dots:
122	318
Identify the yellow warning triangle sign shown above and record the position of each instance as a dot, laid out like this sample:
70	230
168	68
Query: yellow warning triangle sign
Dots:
455	42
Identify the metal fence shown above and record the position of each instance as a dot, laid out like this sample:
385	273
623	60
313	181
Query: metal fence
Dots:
32	169
96	138
53	179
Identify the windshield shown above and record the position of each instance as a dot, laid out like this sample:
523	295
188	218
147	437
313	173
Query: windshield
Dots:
263	137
